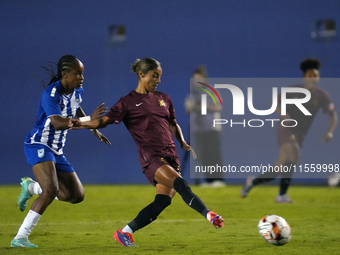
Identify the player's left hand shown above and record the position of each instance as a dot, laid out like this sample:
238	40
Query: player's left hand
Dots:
97	113
100	136
187	147
327	137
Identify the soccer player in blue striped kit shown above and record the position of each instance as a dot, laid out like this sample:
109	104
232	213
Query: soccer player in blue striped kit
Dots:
150	118
56	178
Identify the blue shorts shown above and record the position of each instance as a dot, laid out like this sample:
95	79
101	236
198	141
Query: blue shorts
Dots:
36	153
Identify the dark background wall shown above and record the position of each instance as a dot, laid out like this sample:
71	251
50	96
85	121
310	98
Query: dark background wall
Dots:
232	38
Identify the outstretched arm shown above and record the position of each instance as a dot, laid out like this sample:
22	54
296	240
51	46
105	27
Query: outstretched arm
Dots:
93	123
177	132
60	123
95	115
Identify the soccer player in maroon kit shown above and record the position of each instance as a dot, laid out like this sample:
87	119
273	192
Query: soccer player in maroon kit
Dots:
291	138
150	118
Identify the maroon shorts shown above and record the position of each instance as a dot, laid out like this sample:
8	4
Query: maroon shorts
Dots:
151	169
289	135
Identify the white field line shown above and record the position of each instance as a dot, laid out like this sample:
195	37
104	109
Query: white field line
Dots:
100	222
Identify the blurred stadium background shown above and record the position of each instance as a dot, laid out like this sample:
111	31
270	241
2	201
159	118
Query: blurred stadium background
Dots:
240	39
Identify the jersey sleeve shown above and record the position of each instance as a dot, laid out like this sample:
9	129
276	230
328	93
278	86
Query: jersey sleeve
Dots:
326	103
117	112
171	108
50	102
81	92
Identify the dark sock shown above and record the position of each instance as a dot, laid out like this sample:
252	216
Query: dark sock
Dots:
192	200
286	180
265	177
284	184
150	212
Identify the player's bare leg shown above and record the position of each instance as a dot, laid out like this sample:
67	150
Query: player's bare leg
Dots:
70	188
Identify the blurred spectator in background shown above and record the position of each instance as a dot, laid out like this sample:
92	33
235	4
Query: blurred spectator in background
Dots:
207	138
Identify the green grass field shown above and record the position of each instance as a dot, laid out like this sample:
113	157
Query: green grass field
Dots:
87	228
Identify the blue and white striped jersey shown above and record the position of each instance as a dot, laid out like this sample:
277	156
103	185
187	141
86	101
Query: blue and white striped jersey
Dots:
54	102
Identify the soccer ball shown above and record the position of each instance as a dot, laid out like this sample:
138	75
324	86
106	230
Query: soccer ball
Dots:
274	230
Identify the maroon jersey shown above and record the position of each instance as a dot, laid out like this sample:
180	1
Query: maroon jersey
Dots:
147	117
319	99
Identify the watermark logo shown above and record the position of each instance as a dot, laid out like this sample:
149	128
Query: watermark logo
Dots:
238	99
204	97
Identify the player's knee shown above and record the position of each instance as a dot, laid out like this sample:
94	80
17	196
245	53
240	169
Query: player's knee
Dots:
77	198
50	193
180	185
293	155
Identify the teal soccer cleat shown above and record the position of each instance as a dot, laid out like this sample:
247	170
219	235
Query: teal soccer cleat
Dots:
23	242
25	194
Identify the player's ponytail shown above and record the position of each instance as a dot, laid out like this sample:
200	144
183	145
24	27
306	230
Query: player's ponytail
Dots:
145	65
54	78
134	66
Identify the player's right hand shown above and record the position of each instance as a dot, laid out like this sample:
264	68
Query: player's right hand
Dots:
74	124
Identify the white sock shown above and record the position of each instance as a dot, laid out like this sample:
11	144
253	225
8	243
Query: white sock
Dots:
27	226
34	188
127	229
208	216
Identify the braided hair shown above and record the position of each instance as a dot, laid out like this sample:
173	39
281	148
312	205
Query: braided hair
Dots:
65	63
